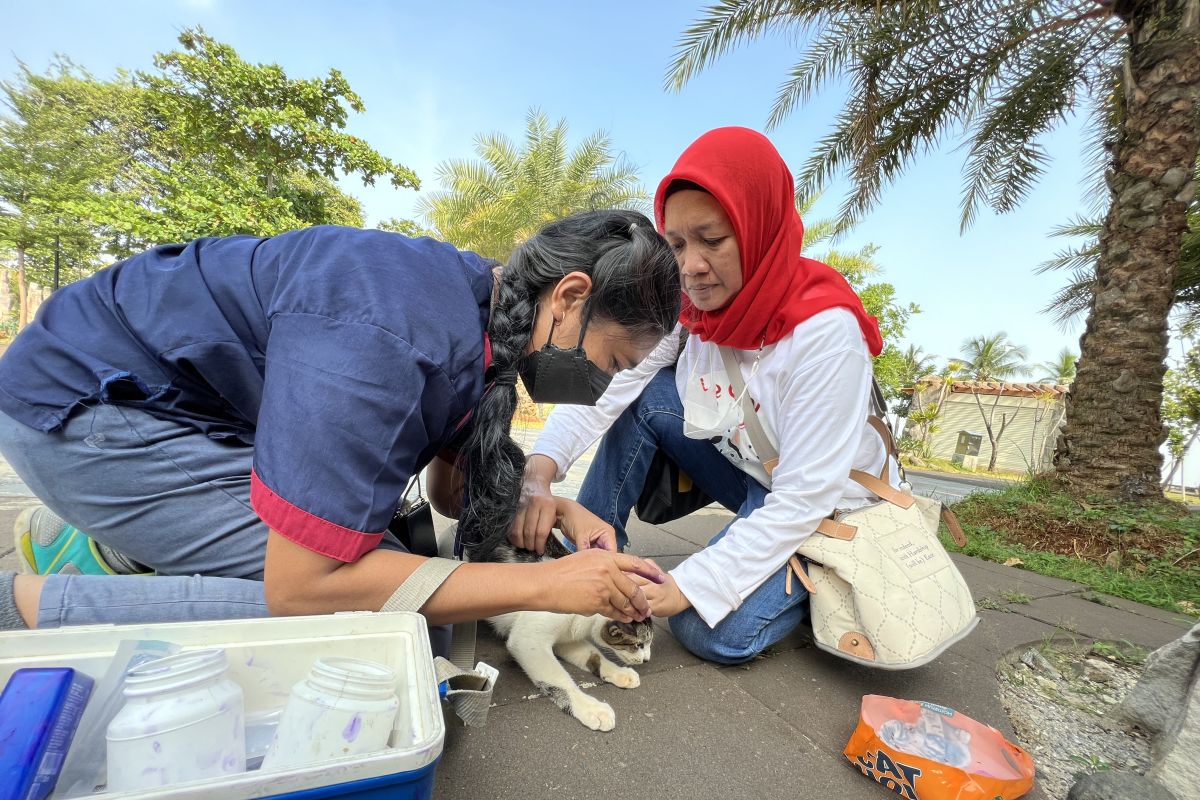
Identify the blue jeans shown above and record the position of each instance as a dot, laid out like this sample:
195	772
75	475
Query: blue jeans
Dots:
614	482
162	493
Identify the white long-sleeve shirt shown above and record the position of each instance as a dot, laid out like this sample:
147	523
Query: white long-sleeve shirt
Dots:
812	391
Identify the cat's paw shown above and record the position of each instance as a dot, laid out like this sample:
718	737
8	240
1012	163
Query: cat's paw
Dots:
595	714
623	677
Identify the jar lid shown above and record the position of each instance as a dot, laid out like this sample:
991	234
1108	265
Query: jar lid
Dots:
353	676
175	672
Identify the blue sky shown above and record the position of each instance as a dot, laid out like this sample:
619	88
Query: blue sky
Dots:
434	75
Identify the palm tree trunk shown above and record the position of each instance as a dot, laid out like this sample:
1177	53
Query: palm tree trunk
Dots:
22	290
1110	445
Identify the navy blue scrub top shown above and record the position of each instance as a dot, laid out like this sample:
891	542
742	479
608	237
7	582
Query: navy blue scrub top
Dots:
347	358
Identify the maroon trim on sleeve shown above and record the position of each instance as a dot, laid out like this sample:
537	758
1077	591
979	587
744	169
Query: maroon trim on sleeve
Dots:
306	529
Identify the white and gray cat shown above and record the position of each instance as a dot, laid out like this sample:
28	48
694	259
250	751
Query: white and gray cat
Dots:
537	639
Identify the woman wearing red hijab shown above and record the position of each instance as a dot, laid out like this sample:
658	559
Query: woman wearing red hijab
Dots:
803	344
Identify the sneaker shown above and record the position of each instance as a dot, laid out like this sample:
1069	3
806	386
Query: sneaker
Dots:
46	544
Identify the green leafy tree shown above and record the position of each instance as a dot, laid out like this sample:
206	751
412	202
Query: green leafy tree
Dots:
51	161
1181	407
1002	74
1061	369
220	146
926	404
859	267
207	144
407	227
915	364
492	204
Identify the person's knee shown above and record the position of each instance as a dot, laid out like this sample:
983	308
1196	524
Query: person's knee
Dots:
720	645
660	394
14	436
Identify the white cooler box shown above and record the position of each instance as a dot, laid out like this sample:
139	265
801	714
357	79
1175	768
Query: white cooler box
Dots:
266	657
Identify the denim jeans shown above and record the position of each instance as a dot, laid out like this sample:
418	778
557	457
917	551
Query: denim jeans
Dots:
162	493
614	482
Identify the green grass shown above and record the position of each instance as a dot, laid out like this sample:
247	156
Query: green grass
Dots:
1180	498
1148	554
950	468
1126	654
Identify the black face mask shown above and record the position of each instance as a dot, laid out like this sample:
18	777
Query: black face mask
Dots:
555	375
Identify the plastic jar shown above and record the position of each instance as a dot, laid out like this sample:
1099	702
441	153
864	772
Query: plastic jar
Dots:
182	721
344	707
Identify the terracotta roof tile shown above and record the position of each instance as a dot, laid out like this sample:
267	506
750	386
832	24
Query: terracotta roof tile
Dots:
1005	389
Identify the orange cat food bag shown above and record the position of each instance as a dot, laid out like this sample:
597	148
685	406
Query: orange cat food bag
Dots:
922	751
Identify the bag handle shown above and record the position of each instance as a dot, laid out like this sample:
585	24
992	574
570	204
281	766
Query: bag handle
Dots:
415	479
879	486
767	454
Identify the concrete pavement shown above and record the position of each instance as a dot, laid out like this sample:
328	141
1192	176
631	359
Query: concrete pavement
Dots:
773	728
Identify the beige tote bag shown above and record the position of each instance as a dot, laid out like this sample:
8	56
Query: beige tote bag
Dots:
883	590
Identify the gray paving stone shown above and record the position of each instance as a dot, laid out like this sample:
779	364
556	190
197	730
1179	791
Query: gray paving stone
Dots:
998	633
821	693
987	579
668	562
1076	615
1149	612
687	734
10	507
1014	575
699	528
655	541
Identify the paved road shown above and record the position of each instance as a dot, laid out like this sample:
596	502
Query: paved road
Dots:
950	488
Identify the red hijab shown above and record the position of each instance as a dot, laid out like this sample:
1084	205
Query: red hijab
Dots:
780	288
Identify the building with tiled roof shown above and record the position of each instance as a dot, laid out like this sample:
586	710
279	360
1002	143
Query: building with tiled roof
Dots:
1030	415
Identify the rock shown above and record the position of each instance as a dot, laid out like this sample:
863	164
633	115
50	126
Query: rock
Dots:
1038	663
1175	751
1099	671
1163	687
1110	785
1048	686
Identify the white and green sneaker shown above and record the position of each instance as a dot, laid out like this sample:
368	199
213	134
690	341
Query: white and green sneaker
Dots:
46	544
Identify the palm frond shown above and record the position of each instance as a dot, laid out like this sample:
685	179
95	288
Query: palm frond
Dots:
826	57
492	203
995	74
721	28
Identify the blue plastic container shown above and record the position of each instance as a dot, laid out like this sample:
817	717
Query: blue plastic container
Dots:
39	711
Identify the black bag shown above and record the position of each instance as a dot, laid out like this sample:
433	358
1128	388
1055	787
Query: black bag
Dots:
413	523
668	493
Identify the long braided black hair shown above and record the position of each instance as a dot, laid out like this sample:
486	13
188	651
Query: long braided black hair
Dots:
635	283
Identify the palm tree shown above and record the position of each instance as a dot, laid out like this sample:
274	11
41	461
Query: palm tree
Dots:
1075	298
492	204
861	270
1007	72
915	364
993	358
1061	370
